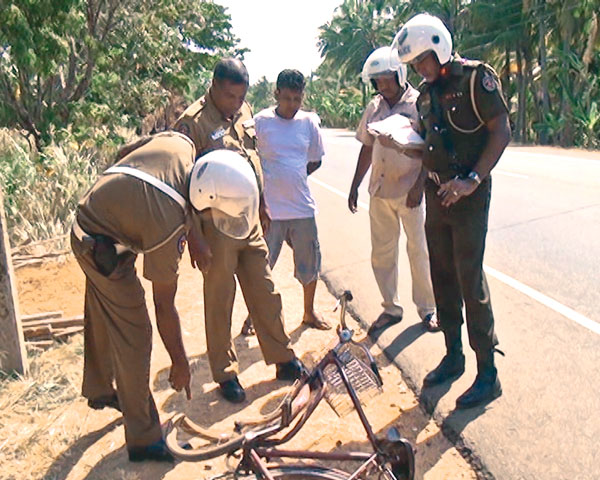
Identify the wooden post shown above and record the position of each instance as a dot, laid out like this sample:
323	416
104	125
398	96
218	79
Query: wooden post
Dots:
13	356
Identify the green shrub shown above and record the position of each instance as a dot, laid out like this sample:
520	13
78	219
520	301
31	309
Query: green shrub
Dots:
41	191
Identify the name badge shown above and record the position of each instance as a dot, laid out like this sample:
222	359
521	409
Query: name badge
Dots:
218	133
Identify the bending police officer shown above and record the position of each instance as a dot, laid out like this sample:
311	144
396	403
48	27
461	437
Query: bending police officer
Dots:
139	205
465	125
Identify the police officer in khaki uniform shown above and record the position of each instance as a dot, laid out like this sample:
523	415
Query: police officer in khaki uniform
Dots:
465	125
222	119
142	205
120	216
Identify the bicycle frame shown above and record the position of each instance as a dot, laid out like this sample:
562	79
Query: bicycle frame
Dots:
392	456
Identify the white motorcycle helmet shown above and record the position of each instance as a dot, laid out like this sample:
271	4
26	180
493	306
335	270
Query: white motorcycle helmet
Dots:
383	61
422	34
224	181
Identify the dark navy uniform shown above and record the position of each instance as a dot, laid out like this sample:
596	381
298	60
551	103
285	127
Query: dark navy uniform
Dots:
453	113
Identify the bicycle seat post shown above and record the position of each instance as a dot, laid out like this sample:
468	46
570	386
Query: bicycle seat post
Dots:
346	297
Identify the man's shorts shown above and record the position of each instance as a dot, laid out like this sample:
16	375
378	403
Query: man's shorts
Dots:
301	235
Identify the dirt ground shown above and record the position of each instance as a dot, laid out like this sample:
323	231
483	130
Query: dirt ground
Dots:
73	442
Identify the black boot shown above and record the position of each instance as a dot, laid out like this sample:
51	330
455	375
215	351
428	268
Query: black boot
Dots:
486	386
452	365
156	451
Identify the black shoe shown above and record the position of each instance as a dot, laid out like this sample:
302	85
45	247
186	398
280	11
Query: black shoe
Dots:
232	391
156	451
384	321
248	329
292	370
101	402
484	390
451	367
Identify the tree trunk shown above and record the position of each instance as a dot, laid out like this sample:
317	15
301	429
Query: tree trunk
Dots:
544	95
520	97
527	87
566	139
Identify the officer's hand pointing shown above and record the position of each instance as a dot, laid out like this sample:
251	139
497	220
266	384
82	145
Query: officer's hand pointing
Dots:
180	377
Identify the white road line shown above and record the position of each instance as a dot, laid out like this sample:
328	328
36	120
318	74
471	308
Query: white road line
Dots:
544	300
511	282
337	192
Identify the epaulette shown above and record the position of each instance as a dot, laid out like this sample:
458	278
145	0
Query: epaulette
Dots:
467	62
247	105
195	108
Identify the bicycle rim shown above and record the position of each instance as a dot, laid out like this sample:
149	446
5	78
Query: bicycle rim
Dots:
205	452
309	472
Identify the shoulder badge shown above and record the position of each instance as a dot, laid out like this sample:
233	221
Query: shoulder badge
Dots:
184	128
488	82
181	243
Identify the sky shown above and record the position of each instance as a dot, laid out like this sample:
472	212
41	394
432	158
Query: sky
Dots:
280	33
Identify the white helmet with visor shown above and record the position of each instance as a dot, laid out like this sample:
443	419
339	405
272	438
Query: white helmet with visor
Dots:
224	181
422	34
383	61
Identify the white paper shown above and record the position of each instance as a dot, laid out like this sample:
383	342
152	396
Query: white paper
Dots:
400	129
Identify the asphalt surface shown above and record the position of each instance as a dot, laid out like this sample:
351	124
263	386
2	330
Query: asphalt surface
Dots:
543	270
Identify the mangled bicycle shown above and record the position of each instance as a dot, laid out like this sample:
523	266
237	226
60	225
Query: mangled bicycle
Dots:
345	377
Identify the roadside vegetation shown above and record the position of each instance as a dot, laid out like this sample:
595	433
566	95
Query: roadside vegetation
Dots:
547	53
80	77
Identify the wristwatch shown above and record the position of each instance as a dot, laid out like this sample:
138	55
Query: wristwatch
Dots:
474	176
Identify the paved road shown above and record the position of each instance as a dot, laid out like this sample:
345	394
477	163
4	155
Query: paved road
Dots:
543	269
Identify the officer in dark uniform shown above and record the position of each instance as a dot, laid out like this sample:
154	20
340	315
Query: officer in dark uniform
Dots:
464	121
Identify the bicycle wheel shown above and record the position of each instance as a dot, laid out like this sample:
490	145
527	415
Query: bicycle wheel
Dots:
216	445
308	472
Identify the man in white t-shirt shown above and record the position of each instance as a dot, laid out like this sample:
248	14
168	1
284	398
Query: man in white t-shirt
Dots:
290	148
396	190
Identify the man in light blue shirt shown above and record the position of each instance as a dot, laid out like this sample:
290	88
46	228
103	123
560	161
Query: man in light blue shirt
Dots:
290	148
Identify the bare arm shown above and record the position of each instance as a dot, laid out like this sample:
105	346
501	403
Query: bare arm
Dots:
169	328
415	194
312	167
200	253
362	166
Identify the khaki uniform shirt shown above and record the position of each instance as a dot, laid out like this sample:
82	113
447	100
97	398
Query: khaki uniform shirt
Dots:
453	112
139	215
209	130
393	174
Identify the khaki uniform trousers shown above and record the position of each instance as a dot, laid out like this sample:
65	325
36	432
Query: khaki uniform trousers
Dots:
118	343
386	216
246	258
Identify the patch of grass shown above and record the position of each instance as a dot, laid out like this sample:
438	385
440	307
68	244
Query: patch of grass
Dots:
33	430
